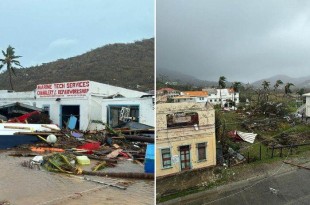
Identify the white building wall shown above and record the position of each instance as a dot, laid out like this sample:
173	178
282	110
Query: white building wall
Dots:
146	108
201	99
307	104
104	89
225	95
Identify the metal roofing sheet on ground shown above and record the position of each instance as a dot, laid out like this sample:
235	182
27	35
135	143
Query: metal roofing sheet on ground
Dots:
248	137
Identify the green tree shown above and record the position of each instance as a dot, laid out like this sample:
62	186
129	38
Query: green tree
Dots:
277	84
266	85
10	60
222	82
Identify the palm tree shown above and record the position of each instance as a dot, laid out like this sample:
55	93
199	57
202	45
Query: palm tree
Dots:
266	85
222	84
236	87
9	60
287	88
277	84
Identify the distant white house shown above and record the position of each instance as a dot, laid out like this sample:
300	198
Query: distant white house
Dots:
222	96
169	92
89	101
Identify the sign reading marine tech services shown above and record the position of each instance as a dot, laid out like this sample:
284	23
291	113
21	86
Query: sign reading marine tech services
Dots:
68	89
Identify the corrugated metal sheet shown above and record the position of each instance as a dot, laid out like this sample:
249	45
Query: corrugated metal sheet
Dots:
248	137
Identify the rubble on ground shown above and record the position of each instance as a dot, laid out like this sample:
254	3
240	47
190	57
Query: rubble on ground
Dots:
69	150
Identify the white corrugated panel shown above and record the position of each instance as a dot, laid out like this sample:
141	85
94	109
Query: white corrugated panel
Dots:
248	137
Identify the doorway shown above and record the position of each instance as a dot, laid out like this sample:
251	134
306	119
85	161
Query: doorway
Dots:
185	159
66	112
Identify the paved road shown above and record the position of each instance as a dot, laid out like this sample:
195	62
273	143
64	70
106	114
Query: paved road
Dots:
290	188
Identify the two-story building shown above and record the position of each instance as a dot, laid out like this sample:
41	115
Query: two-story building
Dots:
185	137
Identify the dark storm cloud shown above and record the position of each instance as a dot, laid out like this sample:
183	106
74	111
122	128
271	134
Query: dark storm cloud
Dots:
242	40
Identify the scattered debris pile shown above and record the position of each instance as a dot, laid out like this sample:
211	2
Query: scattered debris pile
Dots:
68	150
293	138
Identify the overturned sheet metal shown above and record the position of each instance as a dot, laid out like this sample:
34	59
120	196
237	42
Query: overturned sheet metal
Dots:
248	137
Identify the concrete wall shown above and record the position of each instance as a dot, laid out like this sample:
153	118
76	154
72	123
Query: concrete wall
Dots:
173	138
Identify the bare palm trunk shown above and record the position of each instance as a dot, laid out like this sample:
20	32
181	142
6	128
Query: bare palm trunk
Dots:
221	97
10	75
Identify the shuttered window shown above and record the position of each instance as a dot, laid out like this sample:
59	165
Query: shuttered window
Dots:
166	158
202	151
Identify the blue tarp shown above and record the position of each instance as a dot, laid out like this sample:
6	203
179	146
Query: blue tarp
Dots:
149	159
9	141
149	151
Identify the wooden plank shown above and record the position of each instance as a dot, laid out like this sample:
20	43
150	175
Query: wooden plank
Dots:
38	133
49	127
116	146
114	154
17	127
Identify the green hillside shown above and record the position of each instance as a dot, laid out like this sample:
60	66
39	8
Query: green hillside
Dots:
126	65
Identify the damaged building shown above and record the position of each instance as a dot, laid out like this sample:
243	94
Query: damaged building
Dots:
93	104
185	137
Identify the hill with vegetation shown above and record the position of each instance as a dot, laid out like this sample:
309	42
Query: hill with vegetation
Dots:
178	80
126	65
298	82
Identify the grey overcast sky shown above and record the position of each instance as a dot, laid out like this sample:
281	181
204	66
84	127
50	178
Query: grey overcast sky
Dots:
43	31
242	40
